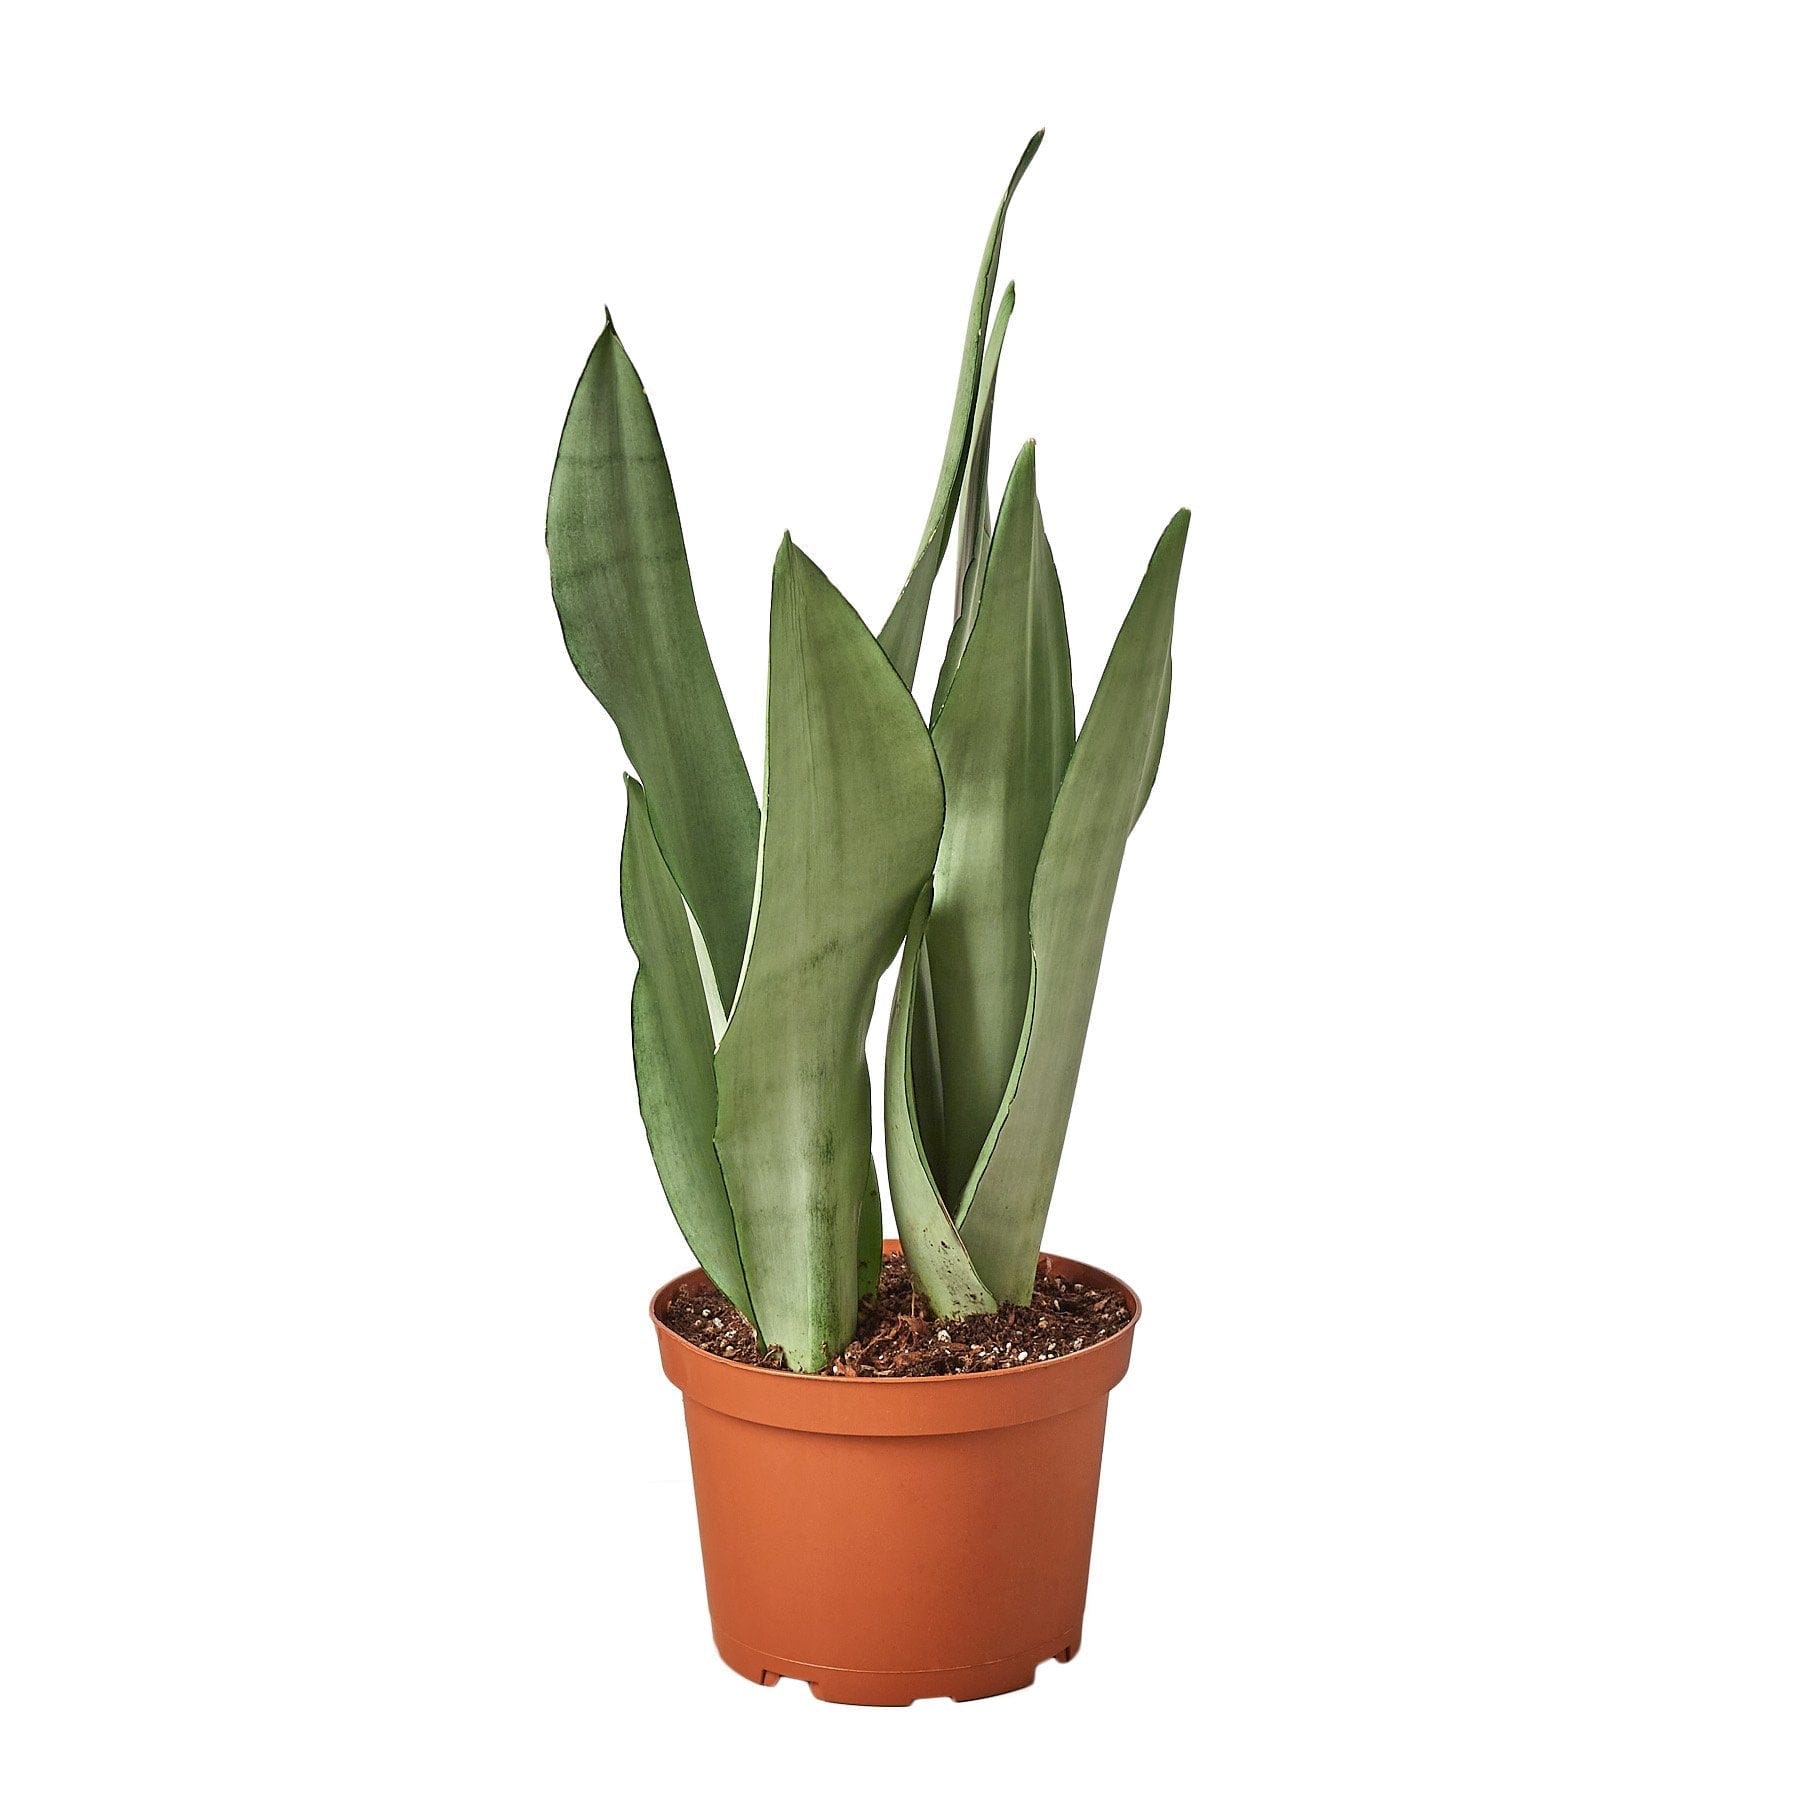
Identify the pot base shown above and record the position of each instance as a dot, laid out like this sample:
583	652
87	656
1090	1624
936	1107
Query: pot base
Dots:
880	1687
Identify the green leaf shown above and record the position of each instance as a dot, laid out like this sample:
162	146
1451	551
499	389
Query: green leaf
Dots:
940	1267
975	532
853	808
905	627
868	1239
672	1047
619	571
1109	776
926	1074
1003	739
975	528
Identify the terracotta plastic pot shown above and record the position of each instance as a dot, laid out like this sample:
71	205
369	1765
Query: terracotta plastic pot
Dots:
891	1538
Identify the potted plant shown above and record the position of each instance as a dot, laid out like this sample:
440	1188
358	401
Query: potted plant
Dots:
895	1445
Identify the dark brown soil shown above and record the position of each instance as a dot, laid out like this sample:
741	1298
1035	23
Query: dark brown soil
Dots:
896	1334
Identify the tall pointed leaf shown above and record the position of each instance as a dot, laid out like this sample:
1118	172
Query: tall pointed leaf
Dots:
939	1265
672	1047
1003	740
975	537
853	807
619	571
975	530
1115	760
905	627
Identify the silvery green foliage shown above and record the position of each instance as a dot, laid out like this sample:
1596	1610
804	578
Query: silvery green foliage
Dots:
984	847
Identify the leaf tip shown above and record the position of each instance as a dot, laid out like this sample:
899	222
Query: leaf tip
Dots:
791	563
1171	547
1031	150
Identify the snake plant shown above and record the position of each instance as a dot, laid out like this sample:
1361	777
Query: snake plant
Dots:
979	839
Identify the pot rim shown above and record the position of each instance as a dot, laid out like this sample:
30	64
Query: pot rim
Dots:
1066	1265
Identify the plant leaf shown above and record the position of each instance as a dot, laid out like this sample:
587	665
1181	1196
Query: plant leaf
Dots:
619	572
868	1238
905	627
939	1265
975	532
1003	740
1109	776
927	1075
672	1048
853	807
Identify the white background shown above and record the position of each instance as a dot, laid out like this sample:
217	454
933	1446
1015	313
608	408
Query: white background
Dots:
1441	1096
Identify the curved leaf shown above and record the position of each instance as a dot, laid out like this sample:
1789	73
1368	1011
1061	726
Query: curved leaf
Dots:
940	1267
853	808
1115	760
976	531
905	627
1003	739
619	572
926	1075
672	1048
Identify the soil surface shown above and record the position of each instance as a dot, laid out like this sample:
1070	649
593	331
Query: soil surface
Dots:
896	1334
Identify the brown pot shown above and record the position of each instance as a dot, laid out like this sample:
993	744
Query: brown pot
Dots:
892	1538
